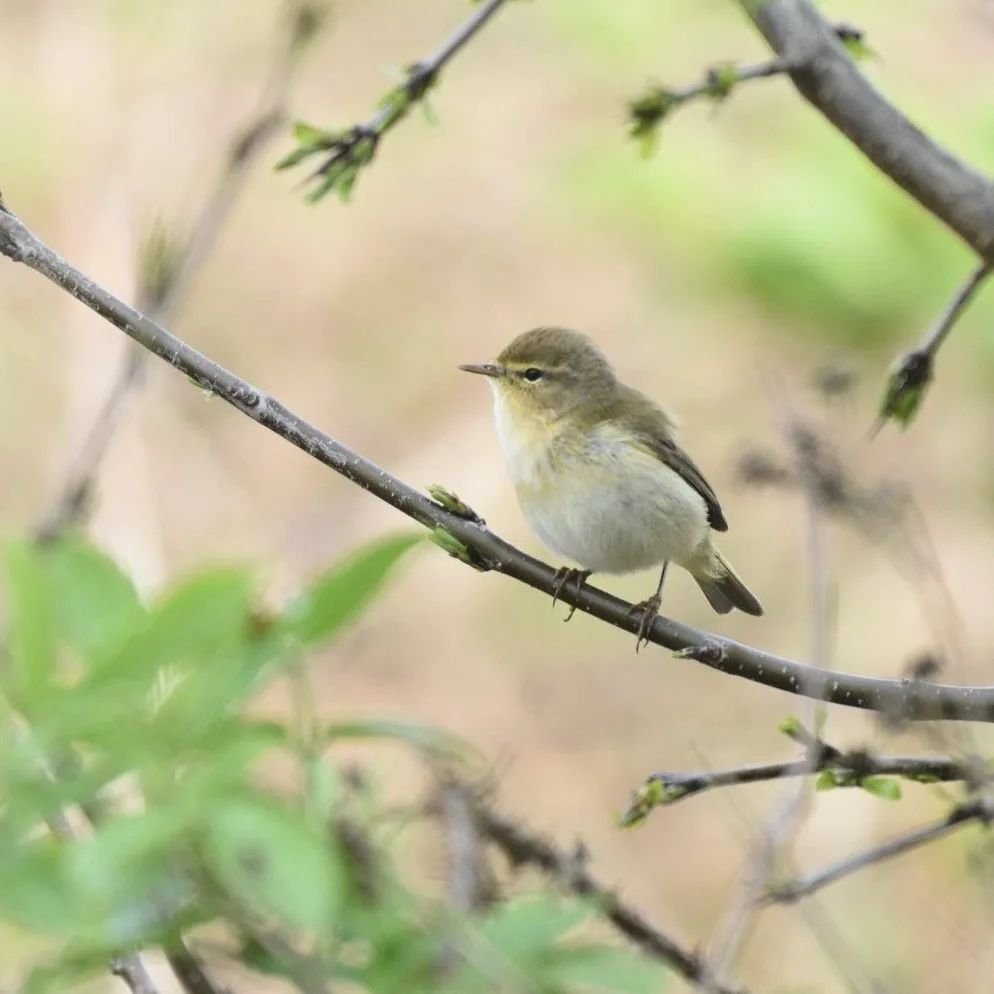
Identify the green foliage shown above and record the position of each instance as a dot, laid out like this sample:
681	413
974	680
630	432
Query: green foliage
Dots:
654	793
905	388
340	595
884	787
135	712
347	152
532	936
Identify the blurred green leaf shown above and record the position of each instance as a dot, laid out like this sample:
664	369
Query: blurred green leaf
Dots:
826	780
340	595
37	893
604	968
905	388
131	869
886	787
206	615
96	602
532	924
309	135
273	861
31	629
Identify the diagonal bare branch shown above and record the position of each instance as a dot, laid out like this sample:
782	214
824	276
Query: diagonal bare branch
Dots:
473	543
523	847
963	814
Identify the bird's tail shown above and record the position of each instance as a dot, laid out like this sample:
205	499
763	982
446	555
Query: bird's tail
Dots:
723	589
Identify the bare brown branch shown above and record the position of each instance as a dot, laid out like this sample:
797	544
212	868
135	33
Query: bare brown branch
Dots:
523	847
480	547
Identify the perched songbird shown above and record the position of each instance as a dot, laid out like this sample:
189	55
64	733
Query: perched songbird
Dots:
598	471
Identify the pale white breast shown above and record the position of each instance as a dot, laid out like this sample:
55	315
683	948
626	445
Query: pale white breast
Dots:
612	508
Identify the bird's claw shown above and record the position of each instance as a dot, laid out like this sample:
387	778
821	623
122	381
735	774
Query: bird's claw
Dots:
563	576
646	611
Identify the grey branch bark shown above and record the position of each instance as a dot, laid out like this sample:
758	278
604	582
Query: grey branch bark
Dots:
662	789
827	77
472	542
971	811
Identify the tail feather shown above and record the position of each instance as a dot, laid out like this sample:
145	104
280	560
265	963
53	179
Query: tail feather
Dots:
724	590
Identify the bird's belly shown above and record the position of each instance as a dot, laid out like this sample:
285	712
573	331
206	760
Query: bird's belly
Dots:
617	513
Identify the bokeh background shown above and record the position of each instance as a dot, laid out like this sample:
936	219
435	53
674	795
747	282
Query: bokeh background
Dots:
754	249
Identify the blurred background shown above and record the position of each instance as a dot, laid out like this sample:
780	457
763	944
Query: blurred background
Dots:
755	249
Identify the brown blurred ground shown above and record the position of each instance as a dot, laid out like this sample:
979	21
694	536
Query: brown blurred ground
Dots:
523	206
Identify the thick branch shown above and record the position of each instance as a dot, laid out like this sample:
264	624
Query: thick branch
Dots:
828	78
525	848
471	541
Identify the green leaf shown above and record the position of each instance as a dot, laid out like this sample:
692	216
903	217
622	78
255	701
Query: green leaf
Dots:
905	388
97	603
131	868
529	925
309	135
35	891
30	623
274	862
340	595
204	616
790	726
886	787
826	780
291	159
603	968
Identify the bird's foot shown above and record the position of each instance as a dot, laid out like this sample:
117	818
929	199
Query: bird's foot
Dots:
646	611
563	576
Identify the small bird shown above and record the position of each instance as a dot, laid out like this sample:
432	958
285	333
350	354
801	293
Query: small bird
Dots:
599	474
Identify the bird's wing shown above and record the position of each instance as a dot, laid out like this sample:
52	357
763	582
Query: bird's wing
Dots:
656	431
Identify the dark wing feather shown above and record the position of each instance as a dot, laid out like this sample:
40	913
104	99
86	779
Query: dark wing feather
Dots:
656	429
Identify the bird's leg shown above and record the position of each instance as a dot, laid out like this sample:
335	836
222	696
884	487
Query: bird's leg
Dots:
563	576
648	609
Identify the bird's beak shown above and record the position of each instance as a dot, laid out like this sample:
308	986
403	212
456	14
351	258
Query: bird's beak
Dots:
483	368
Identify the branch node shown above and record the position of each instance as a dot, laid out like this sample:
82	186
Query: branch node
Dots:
711	653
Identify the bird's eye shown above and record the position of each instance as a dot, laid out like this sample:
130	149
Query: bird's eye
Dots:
532	374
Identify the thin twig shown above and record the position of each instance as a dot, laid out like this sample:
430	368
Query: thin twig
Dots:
128	966
648	111
784	821
421	77
662	789
190	972
132	971
523	847
977	810
913	372
166	279
468	883
477	545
